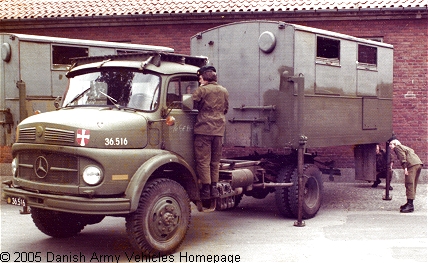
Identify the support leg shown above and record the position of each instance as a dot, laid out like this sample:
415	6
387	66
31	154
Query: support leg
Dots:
300	164
387	197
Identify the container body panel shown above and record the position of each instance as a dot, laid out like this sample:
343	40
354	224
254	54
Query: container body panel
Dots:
287	81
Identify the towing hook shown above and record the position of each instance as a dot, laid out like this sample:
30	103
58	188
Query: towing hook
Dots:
8	183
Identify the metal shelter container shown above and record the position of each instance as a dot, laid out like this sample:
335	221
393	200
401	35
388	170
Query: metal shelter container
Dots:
33	68
286	81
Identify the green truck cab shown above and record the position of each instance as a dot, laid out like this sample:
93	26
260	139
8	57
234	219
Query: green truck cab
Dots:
112	139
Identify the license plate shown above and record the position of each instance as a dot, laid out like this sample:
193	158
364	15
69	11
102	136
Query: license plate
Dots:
18	201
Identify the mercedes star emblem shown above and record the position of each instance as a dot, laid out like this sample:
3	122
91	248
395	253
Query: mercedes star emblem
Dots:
41	167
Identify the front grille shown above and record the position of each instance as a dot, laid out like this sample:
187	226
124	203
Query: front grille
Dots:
58	135
27	134
49	135
46	167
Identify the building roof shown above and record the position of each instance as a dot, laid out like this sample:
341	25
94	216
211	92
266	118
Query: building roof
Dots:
31	9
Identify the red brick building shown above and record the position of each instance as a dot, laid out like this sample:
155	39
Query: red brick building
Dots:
172	23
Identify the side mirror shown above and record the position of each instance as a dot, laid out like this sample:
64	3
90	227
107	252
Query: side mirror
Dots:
187	102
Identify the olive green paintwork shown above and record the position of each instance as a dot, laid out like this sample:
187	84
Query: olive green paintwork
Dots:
280	89
129	146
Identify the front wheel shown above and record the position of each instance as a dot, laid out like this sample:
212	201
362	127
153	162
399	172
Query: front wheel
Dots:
160	223
287	199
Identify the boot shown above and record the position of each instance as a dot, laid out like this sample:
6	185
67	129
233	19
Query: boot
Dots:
408	207
376	183
214	190
205	191
408	200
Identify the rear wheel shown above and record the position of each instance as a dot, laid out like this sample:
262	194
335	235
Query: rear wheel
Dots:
160	223
287	199
281	194
58	224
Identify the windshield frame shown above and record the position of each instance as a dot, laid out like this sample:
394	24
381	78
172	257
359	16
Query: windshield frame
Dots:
124	87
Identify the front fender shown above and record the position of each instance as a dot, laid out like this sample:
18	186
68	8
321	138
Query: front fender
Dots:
142	175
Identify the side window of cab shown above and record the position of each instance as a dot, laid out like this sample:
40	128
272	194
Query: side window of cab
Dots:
179	86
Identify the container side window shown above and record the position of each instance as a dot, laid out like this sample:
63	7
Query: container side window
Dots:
367	57
61	55
328	51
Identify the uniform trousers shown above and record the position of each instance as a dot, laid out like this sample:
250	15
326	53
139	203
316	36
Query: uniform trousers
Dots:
208	152
411	180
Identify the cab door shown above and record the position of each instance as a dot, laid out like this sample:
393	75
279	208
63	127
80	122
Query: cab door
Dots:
179	137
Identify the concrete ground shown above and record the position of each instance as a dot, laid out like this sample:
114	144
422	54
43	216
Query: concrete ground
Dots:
354	224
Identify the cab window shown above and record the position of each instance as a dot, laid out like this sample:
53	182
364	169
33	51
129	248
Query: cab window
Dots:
179	86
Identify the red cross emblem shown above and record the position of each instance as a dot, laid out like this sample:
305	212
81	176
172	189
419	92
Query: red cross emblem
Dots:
82	137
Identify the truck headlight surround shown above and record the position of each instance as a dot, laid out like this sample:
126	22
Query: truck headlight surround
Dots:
14	165
92	175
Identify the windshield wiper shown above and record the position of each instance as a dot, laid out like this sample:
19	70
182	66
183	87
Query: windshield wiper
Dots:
112	100
78	96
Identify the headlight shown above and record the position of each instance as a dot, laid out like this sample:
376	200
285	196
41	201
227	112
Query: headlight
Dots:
14	165
92	175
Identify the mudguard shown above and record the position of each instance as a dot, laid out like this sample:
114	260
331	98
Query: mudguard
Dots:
142	175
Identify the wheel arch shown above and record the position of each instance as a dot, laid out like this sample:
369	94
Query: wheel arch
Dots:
162	166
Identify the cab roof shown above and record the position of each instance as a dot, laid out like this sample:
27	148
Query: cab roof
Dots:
166	63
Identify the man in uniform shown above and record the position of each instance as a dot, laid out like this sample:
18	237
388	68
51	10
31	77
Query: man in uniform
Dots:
212	101
412	166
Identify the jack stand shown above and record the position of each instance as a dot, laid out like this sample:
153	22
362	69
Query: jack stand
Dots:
299	223
387	197
300	163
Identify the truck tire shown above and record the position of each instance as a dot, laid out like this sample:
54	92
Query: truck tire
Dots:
281	194
160	223
288	198
57	224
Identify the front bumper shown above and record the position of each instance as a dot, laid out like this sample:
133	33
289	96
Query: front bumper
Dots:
71	204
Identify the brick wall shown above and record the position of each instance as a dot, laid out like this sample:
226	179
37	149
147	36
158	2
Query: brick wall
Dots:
5	154
409	37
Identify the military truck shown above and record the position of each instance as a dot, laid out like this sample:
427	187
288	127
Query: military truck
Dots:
121	143
32	73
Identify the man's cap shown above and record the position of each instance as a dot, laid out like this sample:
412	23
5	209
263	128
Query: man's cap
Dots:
205	68
393	137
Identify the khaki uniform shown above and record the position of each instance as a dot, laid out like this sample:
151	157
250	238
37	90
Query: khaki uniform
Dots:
411	161
212	102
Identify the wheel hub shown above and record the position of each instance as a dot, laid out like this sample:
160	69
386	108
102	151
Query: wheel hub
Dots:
311	192
165	217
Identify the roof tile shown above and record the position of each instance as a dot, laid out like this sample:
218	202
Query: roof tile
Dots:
21	9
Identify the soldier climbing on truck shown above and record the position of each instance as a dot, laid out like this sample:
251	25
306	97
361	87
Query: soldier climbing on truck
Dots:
309	88
212	103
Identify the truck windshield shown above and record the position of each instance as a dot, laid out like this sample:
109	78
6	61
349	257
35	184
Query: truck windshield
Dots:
117	87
